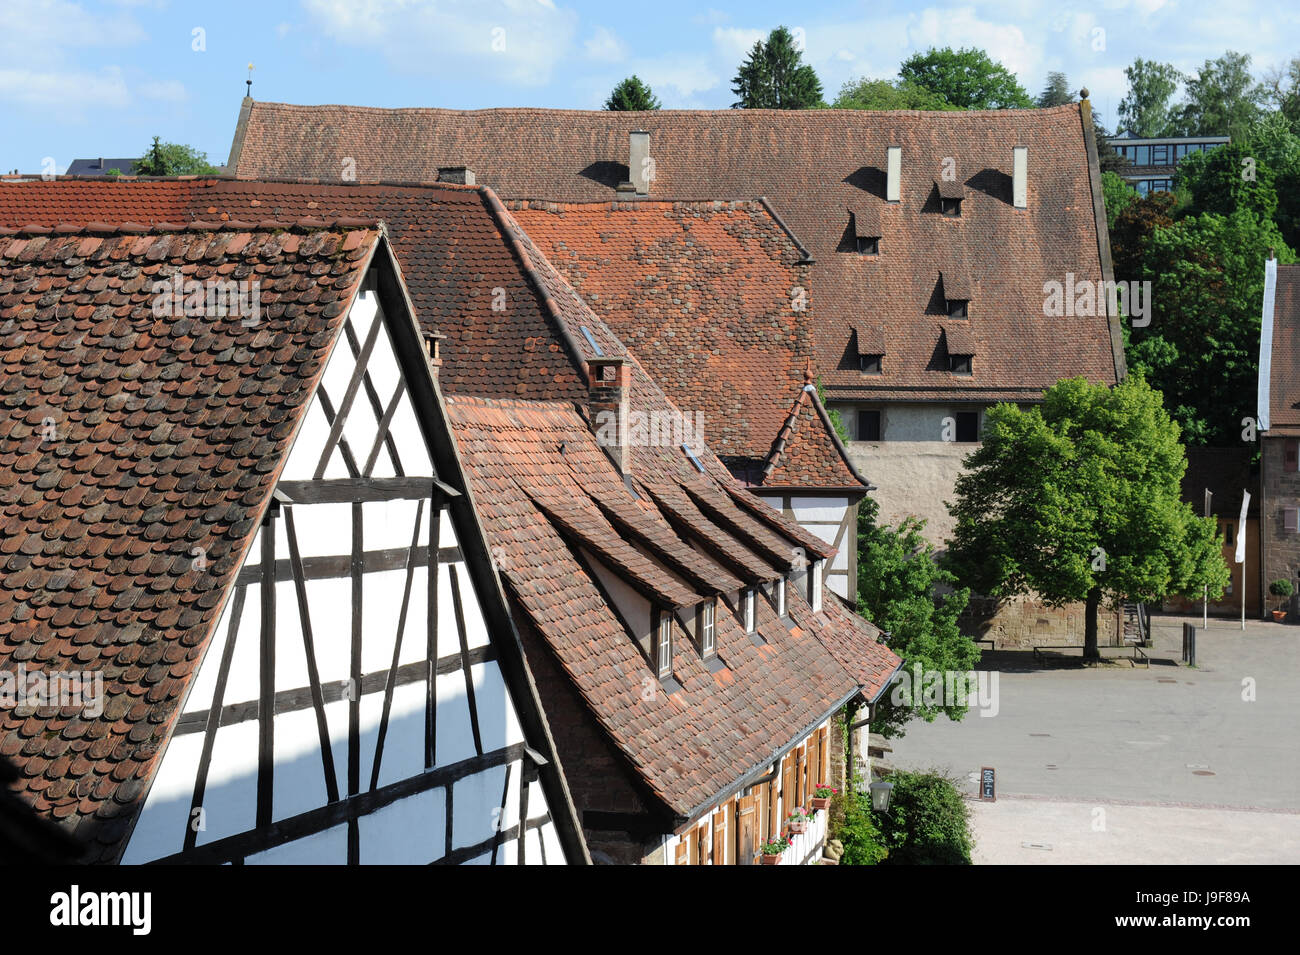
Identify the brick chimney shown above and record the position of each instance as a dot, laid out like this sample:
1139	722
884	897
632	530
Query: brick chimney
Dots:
458	174
640	167
893	173
1020	177
609	384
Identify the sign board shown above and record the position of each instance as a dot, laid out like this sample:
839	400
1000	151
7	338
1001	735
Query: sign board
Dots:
988	784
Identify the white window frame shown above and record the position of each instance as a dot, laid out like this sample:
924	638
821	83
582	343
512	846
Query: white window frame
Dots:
708	627
664	645
815	586
748	600
778	596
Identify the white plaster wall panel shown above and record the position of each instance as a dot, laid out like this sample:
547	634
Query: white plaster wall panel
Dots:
475	630
634	609
403	755
322	848
230	798
819	508
551	842
533	848
299	775
381	604
161	828
410	831
481	794
497	721
827	532
455	738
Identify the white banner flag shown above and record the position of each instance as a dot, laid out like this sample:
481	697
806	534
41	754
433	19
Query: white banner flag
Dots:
1241	528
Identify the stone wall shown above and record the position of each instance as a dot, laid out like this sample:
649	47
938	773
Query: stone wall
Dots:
1022	623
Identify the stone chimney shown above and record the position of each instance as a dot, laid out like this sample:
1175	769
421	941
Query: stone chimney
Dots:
609	383
640	167
1020	177
458	174
893	174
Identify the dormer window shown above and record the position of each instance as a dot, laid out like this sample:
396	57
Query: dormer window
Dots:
958	308
959	342
959	364
958	291
950	207
866	229
950	197
747	602
871	364
871	348
707	627
815	586
664	645
868	245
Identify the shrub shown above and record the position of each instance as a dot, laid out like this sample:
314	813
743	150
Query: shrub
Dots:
927	823
851	823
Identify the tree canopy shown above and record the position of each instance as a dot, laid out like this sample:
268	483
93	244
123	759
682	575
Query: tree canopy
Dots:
1222	99
967	78
883	94
1147	110
174	159
774	76
1056	92
897	580
1078	500
632	95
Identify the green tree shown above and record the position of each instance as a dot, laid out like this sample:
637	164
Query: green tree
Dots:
1118	196
173	159
1201	347
966	78
774	76
898	580
1275	143
1146	111
851	822
1282	91
882	94
1078	500
927	822
1136	220
1107	158
1056	92
632	95
1229	178
1223	99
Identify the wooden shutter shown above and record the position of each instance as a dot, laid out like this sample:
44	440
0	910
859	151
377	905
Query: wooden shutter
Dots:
720	837
773	808
824	755
760	807
684	849
801	776
787	788
746	830
700	845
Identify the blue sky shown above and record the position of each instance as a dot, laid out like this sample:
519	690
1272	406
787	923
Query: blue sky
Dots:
86	79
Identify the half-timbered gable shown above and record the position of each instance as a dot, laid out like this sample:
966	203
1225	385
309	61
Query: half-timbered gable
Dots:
306	655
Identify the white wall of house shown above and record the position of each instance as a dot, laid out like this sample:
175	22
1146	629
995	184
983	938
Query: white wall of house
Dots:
830	518
412	829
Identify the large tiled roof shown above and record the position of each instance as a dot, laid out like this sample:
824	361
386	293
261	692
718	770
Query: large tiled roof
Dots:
1284	387
130	441
34	202
526	462
815	167
712	298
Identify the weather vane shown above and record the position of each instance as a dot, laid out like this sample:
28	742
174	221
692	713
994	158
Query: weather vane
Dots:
249	81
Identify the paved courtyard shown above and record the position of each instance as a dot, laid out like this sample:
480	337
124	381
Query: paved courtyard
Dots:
1185	765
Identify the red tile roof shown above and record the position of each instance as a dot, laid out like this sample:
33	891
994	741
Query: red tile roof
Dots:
807	451
98	200
1284	387
815	166
708	297
127	441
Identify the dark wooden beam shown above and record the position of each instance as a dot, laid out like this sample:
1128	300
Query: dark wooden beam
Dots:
354	680
500	821
349	396
382	436
464	653
340	566
309	648
327	406
373	397
266	677
365	490
431	646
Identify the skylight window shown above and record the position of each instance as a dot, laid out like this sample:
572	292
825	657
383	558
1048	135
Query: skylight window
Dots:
694	460
591	340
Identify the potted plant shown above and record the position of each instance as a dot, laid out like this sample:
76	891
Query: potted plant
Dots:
822	796
1281	589
772	849
798	821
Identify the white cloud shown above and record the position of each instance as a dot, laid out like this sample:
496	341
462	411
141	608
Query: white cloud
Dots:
167	91
604	46
734	43
511	41
64	93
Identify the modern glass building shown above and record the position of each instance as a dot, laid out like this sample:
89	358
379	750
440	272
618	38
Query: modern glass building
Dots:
1154	160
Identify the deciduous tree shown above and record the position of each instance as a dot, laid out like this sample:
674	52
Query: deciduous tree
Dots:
632	95
967	78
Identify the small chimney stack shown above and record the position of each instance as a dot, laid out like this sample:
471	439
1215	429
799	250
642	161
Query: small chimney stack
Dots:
1020	177
640	167
433	346
609	383
894	174
457	174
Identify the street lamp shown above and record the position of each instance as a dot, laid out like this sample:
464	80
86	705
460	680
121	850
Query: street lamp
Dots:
880	791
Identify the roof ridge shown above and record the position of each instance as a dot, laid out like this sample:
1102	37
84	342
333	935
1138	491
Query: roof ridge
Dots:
305	224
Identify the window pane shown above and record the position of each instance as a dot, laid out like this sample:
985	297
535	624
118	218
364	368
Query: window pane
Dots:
868	425
968	425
